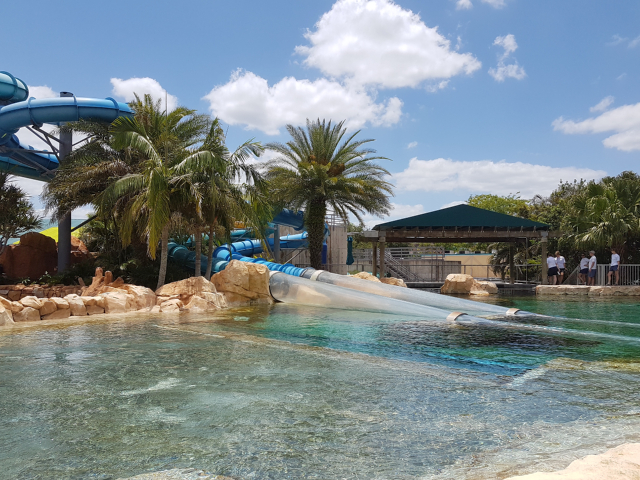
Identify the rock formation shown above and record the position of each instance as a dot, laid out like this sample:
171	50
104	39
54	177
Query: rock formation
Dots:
459	283
244	283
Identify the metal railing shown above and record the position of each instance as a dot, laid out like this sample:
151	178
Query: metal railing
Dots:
398	270
430	252
628	274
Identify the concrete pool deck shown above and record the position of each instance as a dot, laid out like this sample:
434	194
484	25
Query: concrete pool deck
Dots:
591	291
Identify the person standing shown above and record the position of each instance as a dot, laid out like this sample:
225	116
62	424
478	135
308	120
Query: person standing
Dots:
552	269
561	264
584	269
613	268
593	263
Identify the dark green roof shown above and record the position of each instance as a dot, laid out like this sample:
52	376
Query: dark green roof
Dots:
463	217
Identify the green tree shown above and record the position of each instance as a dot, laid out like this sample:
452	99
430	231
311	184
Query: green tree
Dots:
321	168
510	204
17	216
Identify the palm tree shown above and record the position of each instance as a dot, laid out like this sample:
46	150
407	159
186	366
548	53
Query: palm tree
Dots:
322	168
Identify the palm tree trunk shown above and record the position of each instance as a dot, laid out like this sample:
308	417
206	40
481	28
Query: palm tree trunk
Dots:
207	274
198	272
164	254
315	223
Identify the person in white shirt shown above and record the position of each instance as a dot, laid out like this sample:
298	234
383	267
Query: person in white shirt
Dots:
584	269
593	263
613	269
552	269
561	263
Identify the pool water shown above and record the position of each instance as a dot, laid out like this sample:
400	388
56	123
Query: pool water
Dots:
293	393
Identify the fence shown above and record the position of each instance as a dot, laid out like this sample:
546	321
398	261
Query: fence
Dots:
628	274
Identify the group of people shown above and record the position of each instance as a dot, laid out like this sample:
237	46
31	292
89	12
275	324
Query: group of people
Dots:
556	268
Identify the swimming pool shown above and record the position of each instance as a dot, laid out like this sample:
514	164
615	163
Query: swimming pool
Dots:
292	392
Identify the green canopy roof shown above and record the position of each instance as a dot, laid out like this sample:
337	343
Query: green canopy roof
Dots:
463	217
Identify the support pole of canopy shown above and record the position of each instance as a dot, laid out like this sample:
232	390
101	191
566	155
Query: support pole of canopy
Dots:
276	243
374	258
543	260
64	222
512	270
383	269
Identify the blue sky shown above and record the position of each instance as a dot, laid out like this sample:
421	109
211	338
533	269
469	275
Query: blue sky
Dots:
465	96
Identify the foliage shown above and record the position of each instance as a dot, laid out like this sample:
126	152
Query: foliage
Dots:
17	216
321	168
510	204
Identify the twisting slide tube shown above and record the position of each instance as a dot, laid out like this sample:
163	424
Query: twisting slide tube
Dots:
296	290
412	296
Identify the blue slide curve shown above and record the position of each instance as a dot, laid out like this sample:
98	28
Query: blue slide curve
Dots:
20	111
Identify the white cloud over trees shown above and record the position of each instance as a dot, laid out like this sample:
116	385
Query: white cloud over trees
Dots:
504	70
126	88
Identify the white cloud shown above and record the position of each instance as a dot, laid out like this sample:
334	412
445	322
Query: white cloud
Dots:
126	88
504	71
247	99
378	43
635	42
617	40
466	4
603	105
624	120
42	91
486	176
396	212
412	145
495	3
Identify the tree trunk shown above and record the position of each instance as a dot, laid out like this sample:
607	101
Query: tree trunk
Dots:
207	274
164	254
198	237
317	210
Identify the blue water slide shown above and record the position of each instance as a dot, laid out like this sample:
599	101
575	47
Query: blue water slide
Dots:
26	161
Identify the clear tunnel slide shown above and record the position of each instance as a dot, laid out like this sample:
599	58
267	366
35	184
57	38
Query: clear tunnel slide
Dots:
419	297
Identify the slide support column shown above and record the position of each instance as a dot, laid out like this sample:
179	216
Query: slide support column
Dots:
383	269
64	222
276	244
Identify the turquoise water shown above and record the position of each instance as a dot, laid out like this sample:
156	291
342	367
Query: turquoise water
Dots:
295	393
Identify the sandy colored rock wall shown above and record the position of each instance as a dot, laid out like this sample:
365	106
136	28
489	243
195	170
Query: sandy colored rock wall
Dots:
460	283
594	291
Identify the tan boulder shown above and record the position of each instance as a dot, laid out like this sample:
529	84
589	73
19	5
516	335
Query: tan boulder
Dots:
48	306
117	302
367	276
155	309
13	294
35	255
61	303
78	245
243	283
216	299
398	282
39	241
58	315
16	307
160	299
31	302
483	288
171	306
76	305
457	283
5	302
94	310
6	316
189	286
198	304
143	297
89	301
27	314
38	292
98	281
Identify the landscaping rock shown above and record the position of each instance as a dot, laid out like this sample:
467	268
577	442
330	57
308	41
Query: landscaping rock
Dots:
460	283
116	302
48	306
171	306
398	282
6	316
57	315
61	303
216	299
484	288
5	302
367	276
76	305
27	314
187	287
35	255
94	310
89	301
16	307
31	302
243	283
143	297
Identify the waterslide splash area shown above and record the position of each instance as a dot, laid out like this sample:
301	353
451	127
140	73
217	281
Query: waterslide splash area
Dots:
344	378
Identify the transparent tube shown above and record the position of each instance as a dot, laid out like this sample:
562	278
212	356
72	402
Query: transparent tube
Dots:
419	297
289	289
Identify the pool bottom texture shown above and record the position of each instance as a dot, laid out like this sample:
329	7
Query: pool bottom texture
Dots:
289	392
